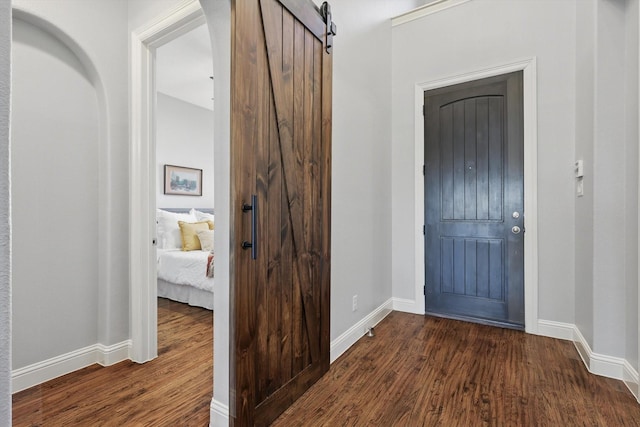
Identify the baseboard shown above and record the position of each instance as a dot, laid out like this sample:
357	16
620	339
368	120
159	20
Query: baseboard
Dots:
607	366
584	350
37	373
559	330
353	334
218	414
599	364
631	379
406	306
108	355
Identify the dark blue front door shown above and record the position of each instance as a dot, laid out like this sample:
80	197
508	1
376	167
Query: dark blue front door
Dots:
474	201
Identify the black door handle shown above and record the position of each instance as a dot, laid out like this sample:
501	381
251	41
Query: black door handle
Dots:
253	244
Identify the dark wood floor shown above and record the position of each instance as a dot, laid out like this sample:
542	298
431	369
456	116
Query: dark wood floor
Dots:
421	371
173	390
417	371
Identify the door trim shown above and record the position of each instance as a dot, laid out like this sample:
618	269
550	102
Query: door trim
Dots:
528	67
142	172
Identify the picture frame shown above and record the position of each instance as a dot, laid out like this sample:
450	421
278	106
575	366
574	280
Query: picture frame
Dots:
182	181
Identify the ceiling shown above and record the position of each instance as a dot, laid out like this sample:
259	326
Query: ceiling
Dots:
184	67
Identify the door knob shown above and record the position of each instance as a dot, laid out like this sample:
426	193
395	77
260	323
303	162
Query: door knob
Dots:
516	215
515	229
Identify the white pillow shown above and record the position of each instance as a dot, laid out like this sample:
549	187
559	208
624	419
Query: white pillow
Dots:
206	239
202	216
168	230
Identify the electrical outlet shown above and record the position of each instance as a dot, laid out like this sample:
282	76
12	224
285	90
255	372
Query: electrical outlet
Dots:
354	304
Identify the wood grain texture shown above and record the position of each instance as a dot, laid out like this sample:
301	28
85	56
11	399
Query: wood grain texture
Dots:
281	130
173	390
428	371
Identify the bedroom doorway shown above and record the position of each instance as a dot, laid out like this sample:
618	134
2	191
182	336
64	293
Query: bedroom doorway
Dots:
184	153
176	21
143	182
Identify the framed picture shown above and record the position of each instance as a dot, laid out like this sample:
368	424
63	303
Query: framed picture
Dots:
182	181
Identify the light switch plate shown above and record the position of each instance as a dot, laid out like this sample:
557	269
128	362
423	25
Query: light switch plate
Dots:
580	187
579	169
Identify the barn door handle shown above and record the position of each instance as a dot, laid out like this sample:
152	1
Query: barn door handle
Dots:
253	244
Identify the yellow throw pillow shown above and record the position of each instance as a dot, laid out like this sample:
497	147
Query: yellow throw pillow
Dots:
189	234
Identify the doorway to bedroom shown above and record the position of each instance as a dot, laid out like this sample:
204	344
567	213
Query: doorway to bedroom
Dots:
184	195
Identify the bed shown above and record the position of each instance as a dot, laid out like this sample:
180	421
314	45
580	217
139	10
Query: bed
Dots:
185	270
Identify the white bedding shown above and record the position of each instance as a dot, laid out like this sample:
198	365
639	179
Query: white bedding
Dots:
184	268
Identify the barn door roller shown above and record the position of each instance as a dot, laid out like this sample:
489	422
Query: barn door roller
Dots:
331	26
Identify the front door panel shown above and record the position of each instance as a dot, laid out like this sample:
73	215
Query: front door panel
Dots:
473	200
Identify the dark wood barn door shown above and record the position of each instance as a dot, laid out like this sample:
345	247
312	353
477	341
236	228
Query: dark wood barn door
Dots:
474	201
280	201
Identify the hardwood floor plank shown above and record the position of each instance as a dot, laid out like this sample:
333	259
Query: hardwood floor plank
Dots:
427	371
417	371
173	390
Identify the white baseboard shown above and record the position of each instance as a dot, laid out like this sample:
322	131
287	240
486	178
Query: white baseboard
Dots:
37	373
218	414
407	306
357	331
607	366
598	364
584	350
108	355
559	330
631	379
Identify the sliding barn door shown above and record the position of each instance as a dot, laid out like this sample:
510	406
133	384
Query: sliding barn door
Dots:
280	195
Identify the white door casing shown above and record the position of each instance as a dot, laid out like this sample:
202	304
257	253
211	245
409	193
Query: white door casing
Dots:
142	171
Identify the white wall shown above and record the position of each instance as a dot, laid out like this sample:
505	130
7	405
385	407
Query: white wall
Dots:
5	207
632	44
361	185
99	289
184	137
609	181
97	31
584	132
143	12
607	140
218	14
55	143
479	35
